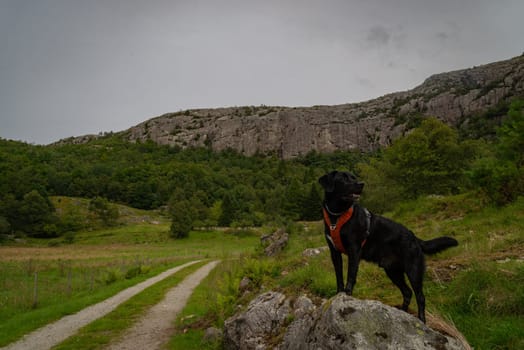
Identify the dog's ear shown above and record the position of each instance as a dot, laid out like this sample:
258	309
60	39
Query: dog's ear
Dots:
327	181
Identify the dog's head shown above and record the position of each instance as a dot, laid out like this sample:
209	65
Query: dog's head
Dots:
341	188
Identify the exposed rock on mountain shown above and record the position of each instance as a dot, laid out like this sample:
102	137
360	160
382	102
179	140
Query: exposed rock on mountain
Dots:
273	321
454	97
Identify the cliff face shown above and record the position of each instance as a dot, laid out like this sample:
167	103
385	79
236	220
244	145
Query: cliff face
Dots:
453	97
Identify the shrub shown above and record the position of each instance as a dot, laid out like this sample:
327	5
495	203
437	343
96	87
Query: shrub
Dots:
181	219
497	179
133	272
501	177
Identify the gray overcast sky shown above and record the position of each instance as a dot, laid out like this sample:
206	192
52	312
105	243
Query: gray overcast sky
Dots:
75	67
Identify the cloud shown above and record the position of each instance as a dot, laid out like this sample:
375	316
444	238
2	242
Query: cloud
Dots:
378	36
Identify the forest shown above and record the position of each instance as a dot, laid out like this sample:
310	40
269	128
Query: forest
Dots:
201	188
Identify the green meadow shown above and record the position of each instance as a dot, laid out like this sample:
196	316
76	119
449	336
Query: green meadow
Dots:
41	283
476	286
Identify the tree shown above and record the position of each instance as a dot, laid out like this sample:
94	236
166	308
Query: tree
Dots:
181	219
501	176
511	134
429	160
293	199
228	211
5	226
36	216
215	212
312	204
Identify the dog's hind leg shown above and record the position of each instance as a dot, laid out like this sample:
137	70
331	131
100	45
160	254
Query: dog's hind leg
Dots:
415	277
397	277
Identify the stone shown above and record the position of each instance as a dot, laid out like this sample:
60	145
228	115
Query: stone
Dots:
271	321
309	252
253	328
349	323
274	243
244	284
212	335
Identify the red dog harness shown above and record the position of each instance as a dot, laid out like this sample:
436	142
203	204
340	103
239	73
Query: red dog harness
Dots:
334	229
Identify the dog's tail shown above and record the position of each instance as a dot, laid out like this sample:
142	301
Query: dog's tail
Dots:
436	245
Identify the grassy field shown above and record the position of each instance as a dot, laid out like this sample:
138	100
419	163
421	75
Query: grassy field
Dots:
41	281
477	286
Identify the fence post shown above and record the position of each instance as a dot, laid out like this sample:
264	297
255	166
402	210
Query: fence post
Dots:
35	291
69	287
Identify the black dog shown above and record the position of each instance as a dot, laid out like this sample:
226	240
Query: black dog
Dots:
353	230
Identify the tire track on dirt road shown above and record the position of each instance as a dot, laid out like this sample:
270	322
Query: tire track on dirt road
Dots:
54	333
155	328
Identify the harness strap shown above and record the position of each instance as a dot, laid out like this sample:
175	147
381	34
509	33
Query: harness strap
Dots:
334	229
368	226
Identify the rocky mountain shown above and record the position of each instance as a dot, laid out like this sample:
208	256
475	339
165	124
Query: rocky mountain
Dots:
455	97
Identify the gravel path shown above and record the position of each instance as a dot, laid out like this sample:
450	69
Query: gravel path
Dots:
155	328
52	334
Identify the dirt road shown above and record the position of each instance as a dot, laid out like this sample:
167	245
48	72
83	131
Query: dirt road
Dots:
155	328
56	332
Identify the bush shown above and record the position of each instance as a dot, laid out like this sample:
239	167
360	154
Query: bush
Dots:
499	180
501	177
181	219
133	272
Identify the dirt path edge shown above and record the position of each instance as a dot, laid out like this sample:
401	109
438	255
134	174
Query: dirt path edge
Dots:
155	328
54	333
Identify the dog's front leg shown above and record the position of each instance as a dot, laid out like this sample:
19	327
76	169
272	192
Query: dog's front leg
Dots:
336	258
353	262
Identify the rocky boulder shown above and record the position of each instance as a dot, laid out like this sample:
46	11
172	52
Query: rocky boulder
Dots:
262	320
273	321
310	252
274	242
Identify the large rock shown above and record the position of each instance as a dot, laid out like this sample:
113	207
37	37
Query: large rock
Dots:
275	242
262	320
343	322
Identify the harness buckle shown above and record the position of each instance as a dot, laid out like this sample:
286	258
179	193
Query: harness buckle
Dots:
333	227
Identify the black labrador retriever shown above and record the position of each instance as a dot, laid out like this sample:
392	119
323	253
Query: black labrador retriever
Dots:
354	231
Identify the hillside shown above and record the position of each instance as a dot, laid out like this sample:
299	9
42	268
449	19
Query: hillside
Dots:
457	98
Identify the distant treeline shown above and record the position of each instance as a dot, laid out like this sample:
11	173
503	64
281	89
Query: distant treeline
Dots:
206	188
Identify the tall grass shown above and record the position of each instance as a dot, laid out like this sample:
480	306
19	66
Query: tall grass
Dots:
486	302
59	294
